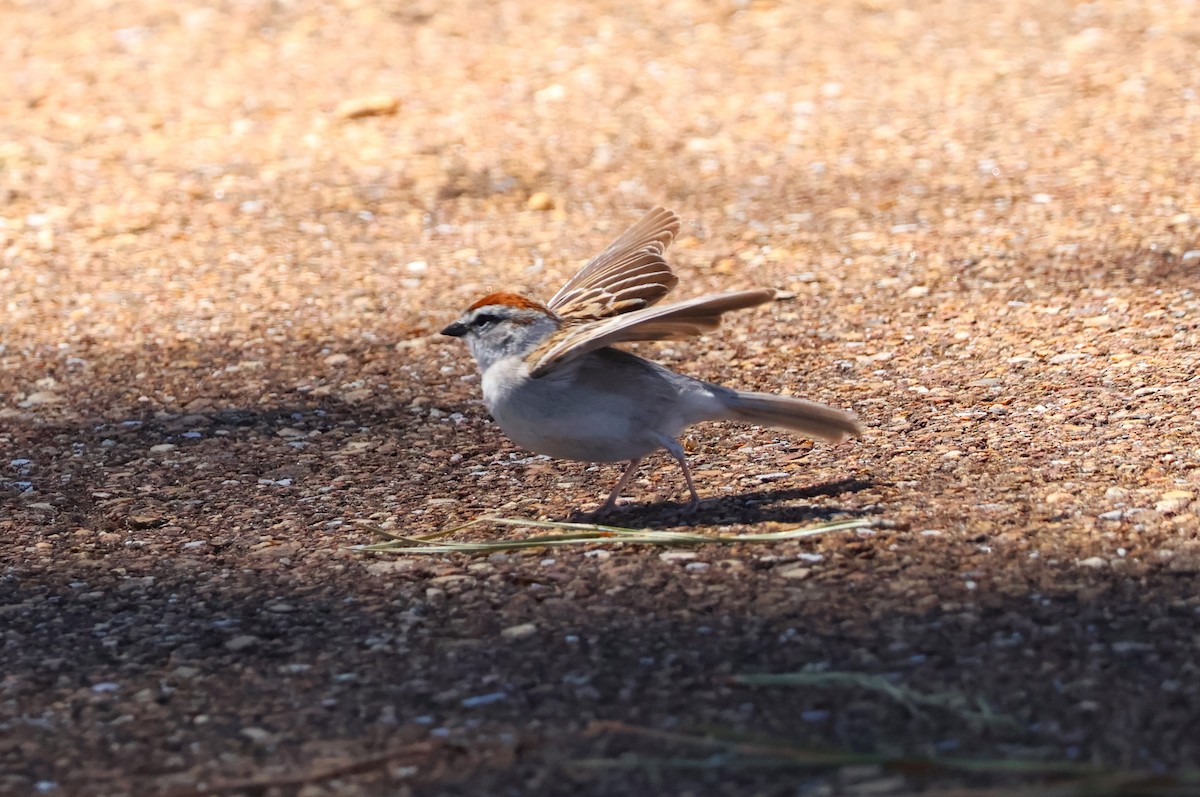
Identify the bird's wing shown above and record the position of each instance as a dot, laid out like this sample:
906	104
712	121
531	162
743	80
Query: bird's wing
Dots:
629	275
673	322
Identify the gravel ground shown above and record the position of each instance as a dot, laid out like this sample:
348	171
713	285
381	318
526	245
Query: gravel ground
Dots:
229	232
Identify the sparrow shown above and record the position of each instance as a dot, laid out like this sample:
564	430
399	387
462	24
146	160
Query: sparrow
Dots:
555	382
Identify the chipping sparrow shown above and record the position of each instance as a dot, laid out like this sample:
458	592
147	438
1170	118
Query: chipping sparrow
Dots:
553	382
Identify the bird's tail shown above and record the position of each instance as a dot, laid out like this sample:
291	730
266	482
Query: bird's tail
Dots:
814	420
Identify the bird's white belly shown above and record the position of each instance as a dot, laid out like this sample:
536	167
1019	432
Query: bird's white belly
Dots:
556	418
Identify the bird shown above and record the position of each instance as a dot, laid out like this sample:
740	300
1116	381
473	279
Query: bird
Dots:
556	384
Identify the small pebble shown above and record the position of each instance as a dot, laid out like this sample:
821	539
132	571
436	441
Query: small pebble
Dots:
483	700
372	105
540	201
40	398
519	631
257	735
241	642
795	572
1174	501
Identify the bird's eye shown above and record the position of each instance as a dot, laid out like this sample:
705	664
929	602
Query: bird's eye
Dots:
486	320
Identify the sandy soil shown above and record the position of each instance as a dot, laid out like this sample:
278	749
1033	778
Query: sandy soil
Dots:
229	232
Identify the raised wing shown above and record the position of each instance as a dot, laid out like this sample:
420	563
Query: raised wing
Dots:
673	322
629	275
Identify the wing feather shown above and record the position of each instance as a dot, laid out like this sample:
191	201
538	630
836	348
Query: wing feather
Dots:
629	275
674	322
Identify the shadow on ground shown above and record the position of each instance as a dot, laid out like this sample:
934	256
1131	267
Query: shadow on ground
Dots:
193	612
750	506
230	665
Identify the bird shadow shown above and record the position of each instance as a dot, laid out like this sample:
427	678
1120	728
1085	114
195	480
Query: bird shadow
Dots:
757	506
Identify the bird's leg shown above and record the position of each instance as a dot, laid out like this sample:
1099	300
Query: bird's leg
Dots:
616	491
676	451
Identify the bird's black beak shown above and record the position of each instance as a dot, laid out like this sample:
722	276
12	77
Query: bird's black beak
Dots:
455	330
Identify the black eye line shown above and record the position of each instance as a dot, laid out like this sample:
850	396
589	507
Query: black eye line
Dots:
485	319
